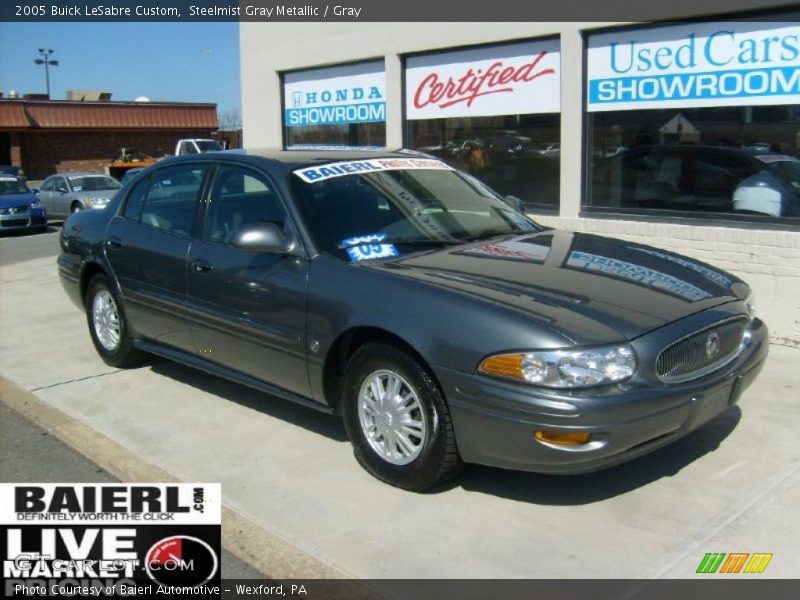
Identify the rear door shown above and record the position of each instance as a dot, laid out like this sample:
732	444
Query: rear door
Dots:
248	309
46	195
147	245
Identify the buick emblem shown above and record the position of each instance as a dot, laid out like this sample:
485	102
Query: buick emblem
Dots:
712	345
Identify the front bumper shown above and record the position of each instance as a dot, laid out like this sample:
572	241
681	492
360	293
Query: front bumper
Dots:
494	421
24	220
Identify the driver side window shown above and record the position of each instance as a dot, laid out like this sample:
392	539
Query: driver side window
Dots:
240	197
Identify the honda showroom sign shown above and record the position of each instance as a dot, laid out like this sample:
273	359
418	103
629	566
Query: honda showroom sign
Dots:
695	65
510	79
336	96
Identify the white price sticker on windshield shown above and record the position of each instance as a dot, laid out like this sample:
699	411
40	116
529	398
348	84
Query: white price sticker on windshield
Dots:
356	167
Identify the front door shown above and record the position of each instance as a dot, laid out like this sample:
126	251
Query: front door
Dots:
147	245
248	309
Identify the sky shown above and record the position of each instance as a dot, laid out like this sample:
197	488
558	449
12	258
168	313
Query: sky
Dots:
191	62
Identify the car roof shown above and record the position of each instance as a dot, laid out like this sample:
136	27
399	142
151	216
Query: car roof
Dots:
293	159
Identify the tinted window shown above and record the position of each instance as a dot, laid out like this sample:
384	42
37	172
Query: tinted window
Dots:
48	185
172	199
240	197
135	201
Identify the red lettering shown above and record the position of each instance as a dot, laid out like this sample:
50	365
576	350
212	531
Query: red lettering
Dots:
472	85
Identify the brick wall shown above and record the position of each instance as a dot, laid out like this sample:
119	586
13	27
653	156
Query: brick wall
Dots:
45	153
769	261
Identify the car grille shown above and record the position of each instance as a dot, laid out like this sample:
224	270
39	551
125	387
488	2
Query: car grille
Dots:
13	211
14	223
702	352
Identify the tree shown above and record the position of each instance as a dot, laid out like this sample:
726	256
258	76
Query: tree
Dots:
230	120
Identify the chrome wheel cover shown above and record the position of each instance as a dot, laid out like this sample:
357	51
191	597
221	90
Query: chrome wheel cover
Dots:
106	320
391	417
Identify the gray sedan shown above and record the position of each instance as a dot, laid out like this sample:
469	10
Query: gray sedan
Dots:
444	326
67	193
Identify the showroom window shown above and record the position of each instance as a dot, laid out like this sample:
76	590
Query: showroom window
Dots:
342	106
695	120
493	111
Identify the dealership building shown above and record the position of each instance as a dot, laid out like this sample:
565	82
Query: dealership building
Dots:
682	134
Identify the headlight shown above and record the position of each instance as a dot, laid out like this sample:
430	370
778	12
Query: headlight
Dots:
564	368
97	201
750	303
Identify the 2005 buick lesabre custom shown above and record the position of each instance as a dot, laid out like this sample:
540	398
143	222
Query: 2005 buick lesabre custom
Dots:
444	325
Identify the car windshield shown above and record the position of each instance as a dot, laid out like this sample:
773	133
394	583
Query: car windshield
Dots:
93	183
393	210
208	145
11	185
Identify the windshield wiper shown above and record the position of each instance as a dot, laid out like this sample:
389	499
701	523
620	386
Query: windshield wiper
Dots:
487	234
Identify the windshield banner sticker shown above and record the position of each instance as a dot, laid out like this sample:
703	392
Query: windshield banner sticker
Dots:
367	247
352	167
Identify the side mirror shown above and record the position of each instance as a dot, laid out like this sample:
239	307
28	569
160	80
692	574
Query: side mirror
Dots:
515	203
263	237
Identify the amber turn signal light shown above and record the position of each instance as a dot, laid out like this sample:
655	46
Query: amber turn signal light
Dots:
504	365
562	438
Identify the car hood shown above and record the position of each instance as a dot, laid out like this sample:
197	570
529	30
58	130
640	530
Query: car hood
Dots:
13	200
94	194
589	288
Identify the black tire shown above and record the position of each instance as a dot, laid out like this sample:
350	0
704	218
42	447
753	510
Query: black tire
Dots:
438	459
125	354
76	207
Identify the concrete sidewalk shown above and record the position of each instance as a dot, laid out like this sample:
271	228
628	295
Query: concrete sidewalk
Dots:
732	486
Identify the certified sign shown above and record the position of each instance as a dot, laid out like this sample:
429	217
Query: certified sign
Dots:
696	65
498	80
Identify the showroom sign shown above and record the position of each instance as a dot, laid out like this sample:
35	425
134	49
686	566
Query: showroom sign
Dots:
498	80
696	65
336	95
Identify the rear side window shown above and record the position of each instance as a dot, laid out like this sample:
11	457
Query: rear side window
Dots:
172	197
240	197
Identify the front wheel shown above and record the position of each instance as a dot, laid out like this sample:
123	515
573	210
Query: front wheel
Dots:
397	419
107	325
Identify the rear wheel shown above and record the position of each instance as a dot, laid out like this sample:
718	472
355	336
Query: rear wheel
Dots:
397	419
107	325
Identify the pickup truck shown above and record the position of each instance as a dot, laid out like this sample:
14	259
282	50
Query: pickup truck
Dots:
127	159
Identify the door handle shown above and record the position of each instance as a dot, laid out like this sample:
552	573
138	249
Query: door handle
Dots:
114	242
200	266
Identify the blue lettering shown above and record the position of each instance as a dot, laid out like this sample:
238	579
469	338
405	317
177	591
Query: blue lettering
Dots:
710	42
311	174
614	66
684	55
326	96
787	46
374	93
749	52
311	98
663	58
341	95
